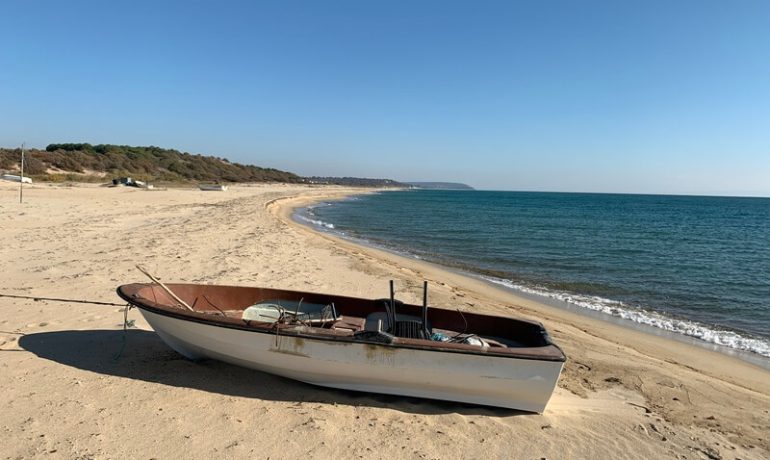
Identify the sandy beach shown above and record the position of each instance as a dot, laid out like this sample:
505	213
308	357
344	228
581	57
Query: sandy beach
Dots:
71	387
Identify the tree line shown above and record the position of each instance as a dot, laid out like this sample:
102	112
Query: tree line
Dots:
79	161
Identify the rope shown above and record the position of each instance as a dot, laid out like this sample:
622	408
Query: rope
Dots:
125	332
128	307
37	299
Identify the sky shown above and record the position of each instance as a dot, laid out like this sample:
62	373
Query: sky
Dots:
584	96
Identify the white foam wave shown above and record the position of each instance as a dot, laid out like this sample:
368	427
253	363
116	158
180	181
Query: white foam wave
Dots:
316	222
726	338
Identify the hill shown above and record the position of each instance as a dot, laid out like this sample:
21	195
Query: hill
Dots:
440	185
86	162
355	181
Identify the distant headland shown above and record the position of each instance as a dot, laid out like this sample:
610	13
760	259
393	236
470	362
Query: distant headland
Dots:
440	185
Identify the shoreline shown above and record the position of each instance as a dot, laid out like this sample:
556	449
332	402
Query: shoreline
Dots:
751	357
622	392
734	370
516	303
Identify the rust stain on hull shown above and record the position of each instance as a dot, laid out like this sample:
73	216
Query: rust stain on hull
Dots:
288	352
290	346
384	356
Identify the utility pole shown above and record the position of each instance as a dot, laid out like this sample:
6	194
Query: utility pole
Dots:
21	182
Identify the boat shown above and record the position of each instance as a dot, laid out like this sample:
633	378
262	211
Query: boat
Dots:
213	187
130	182
371	345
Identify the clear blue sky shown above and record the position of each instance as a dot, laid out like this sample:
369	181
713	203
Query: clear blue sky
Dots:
658	97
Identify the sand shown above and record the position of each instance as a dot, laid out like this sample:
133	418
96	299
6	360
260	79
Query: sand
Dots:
623	394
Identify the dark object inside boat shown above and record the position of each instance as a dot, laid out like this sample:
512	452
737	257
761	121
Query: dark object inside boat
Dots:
403	326
410	330
374	336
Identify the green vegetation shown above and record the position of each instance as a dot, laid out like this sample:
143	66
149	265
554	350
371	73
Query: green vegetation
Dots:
354	181
440	185
99	163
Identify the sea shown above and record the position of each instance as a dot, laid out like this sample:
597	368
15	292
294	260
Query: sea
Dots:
692	266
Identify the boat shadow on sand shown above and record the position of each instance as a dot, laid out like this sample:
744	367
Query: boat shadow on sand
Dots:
145	357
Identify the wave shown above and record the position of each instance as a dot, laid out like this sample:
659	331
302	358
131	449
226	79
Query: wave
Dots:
316	222
725	338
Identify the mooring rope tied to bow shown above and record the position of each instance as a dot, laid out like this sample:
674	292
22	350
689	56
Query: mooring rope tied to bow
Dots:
126	322
126	325
53	299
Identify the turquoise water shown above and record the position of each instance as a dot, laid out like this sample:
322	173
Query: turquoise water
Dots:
699	266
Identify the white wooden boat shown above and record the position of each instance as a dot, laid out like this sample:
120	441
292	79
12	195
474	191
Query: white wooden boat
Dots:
213	187
380	346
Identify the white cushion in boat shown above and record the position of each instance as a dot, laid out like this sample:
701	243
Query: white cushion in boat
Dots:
263	312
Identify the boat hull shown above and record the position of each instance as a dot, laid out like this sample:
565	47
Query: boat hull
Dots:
523	384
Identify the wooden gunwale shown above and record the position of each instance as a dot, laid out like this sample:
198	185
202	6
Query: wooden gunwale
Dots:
130	293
